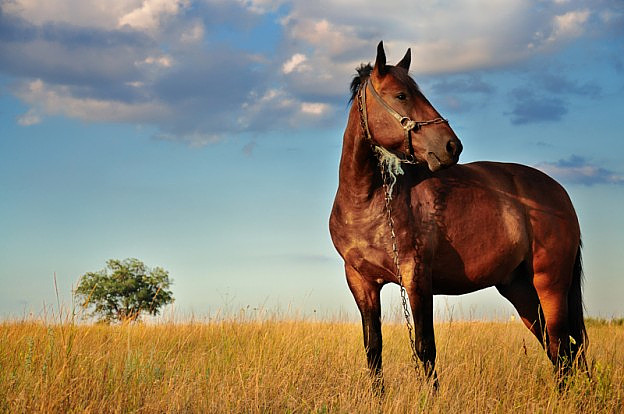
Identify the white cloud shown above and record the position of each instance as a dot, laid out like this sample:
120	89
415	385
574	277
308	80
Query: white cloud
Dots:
193	33
277	107
29	118
568	25
149	15
83	13
59	100
468	35
294	63
330	37
337	35
272	98
314	108
164	61
579	170
561	29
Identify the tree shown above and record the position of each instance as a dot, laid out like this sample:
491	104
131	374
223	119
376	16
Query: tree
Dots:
125	289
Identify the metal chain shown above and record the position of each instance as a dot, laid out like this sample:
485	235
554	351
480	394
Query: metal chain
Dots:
433	121
395	251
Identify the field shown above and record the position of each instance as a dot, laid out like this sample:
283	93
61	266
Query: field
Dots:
291	366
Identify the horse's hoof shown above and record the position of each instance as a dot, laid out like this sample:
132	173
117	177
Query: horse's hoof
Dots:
379	388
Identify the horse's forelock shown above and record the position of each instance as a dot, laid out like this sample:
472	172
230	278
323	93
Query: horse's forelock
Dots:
364	72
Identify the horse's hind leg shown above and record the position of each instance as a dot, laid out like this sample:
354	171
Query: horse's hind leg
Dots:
366	294
523	296
553	296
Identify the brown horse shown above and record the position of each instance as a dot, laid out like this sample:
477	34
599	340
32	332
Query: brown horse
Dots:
457	229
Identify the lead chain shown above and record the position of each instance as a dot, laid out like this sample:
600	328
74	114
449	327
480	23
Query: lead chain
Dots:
395	251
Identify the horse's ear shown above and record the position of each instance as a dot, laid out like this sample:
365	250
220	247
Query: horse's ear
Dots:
380	62
407	59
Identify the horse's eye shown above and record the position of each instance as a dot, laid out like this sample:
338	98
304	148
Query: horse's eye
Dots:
401	96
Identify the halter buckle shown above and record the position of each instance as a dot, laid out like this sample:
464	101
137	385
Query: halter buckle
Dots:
407	123
409	159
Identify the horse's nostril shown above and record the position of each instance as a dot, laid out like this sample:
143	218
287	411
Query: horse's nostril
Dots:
454	148
451	147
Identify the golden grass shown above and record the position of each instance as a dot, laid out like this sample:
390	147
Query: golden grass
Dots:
291	366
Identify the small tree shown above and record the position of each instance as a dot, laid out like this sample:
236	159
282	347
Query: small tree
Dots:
124	290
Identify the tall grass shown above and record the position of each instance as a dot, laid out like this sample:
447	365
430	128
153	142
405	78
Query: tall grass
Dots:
269	365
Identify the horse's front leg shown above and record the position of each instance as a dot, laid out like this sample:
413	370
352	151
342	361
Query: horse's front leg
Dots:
366	294
420	294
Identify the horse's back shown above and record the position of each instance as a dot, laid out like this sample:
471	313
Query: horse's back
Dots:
534	189
539	194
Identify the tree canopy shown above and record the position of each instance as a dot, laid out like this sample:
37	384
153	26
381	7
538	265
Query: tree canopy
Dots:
124	290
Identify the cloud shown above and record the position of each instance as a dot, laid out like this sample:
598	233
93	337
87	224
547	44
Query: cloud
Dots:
314	108
294	63
191	91
64	54
193	33
59	100
578	170
568	25
559	84
560	29
278	107
198	70
85	13
164	61
462	92
530	106
544	98
467	36
151	12
29	118
462	84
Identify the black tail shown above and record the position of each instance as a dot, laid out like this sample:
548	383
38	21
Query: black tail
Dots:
576	323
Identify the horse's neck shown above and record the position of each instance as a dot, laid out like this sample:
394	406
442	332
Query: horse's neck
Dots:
359	176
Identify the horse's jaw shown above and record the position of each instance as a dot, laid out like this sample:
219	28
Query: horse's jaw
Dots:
435	163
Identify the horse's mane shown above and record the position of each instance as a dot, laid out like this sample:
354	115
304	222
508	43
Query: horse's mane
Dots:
364	71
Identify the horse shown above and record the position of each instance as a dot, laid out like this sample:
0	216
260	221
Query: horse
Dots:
406	212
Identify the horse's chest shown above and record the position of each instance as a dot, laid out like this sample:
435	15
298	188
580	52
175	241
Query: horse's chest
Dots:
366	243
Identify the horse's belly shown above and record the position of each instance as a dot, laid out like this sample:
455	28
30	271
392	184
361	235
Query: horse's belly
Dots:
462	278
446	282
471	258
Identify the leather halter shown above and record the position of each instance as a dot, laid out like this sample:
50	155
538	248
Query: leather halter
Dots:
407	123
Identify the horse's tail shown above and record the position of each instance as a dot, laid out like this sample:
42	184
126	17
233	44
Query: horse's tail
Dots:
579	340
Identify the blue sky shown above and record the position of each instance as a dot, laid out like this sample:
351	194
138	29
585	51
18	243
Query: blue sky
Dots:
204	136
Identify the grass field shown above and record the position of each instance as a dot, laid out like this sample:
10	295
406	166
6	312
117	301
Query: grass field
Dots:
291	366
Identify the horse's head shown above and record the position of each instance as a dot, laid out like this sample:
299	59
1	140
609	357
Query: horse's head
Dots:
400	118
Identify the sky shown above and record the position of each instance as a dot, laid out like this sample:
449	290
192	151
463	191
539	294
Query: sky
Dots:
204	137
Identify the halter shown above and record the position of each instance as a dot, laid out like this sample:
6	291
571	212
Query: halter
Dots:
407	123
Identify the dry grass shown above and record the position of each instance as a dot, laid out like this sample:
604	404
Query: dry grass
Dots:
290	366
